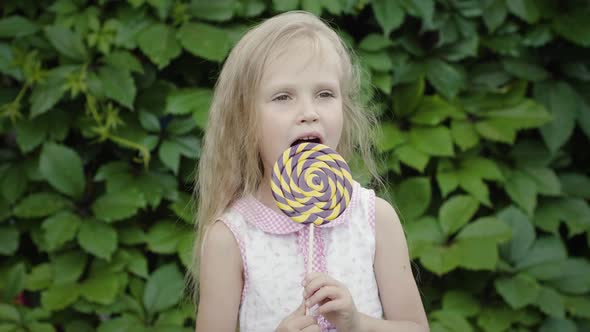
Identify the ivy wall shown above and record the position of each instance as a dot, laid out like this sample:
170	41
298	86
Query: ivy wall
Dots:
484	109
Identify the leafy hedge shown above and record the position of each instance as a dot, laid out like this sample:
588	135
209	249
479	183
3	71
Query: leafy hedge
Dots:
485	118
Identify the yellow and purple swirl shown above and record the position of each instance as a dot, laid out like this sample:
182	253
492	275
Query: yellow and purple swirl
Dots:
311	183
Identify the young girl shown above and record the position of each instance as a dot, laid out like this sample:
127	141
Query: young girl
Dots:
288	80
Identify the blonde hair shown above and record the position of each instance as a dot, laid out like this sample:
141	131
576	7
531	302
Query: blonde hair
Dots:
230	165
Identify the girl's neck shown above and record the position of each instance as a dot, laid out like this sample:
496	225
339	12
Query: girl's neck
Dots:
264	195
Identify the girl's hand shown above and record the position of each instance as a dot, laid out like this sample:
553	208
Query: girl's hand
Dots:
334	299
298	322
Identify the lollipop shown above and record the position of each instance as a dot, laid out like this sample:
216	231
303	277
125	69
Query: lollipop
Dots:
311	183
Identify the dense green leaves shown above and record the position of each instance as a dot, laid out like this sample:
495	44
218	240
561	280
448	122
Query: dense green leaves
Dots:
62	168
483	122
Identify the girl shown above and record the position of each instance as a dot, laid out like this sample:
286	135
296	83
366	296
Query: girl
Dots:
288	80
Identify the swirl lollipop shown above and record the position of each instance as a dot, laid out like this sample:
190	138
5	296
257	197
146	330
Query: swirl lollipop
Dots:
311	183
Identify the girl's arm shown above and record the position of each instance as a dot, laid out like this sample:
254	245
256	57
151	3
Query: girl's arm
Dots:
402	306
221	282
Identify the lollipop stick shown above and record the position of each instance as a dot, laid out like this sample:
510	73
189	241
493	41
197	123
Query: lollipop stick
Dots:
309	255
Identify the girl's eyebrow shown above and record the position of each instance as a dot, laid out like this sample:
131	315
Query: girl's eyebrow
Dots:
286	85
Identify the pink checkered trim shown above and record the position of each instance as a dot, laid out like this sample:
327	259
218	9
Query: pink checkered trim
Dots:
240	242
270	221
372	209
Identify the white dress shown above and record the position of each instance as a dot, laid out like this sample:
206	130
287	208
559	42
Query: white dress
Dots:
274	254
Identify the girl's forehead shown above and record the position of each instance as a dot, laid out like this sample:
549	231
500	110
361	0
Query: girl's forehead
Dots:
298	54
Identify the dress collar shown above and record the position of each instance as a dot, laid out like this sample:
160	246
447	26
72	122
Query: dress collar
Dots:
270	221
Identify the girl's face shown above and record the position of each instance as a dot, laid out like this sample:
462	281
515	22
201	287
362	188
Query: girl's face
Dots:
299	98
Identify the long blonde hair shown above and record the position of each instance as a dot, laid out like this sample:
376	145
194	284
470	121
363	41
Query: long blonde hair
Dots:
230	165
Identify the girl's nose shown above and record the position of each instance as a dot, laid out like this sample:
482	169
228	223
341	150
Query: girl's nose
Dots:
308	113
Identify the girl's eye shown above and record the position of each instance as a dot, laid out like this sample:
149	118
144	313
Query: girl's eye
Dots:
281	98
326	94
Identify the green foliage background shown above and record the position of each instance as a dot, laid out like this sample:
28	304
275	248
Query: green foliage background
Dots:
485	118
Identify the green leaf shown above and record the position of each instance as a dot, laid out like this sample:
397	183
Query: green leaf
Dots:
446	78
169	154
432	111
62	167
163	237
525	9
575	184
551	303
573	26
518	291
440	260
473	184
452	320
66	42
98	238
39	278
558	324
523	234
185	249
390	137
13	183
30	133
9	240
167	47
412	197
16	26
222	10
486	228
563	103
496	130
522	190
573	278
525	70
41	204
578	306
374	42
118	85
524	115
461	302
60	228
456	212
379	61
389	15
495	14
189	101
546	249
9	313
60	297
205	41
447	179
131	235
481	167
495	319
67	267
420	8
125	61
13	281
163	289
412	157
406	97
434	141
101	288
118	205
138	263
545	179
149	121
45	96
477	254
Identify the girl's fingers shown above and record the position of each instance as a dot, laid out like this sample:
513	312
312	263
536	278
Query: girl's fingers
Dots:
312	328
302	322
324	293
317	281
330	306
